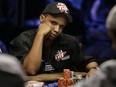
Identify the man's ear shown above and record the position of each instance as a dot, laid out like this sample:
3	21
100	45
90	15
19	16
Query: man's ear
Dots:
42	18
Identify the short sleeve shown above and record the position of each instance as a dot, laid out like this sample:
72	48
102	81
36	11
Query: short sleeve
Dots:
20	46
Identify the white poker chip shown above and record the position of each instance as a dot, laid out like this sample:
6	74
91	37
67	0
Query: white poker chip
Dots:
34	84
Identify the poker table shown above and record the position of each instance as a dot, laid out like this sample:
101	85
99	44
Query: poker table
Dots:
50	80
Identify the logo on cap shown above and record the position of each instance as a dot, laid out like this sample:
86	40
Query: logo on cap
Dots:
62	7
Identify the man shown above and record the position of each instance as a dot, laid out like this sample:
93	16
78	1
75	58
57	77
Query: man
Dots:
106	76
47	49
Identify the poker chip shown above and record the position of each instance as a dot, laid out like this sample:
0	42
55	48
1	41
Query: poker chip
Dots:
62	82
34	84
70	81
66	73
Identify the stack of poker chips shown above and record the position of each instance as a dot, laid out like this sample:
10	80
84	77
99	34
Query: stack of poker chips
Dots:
66	80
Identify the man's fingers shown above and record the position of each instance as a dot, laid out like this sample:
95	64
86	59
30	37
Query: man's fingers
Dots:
48	24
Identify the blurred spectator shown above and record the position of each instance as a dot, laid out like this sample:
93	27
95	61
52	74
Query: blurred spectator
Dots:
111	26
11	72
106	76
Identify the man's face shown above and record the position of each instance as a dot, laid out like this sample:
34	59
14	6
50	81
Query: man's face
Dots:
57	22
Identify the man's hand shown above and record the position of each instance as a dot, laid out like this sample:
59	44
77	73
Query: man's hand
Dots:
91	72
44	28
91	67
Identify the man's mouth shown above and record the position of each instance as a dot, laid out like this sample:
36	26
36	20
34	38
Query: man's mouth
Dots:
53	35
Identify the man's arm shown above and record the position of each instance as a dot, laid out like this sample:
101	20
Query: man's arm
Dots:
52	77
32	61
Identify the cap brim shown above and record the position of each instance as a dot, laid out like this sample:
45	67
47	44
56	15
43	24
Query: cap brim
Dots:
68	16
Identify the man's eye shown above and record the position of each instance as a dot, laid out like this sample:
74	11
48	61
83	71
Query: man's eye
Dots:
54	23
62	26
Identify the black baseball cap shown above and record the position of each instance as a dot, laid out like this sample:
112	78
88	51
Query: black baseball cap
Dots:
58	7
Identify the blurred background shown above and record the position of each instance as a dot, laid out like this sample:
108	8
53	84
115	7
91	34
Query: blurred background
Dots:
88	24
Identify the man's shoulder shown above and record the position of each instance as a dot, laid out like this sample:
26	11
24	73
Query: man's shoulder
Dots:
25	35
30	31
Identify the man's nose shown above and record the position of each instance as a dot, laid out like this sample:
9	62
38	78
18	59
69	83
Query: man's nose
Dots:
57	28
